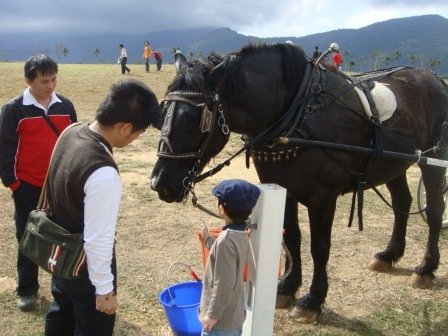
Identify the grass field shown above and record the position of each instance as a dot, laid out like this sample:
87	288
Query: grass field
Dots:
154	236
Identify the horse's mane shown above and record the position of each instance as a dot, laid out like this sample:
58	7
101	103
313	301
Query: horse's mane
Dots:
293	61
192	78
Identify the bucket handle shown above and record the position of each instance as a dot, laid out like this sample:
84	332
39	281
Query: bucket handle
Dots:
190	271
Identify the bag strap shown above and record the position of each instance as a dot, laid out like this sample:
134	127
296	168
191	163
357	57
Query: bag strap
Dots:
50	123
42	204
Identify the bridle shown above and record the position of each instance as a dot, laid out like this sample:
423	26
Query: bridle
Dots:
211	121
165	150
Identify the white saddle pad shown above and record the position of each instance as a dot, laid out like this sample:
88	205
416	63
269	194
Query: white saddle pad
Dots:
384	99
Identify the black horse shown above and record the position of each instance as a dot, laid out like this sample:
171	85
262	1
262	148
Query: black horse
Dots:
272	92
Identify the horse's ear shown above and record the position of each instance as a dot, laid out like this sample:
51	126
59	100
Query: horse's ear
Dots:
214	59
215	74
181	62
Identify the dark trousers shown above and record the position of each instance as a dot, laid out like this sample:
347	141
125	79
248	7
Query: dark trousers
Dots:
124	68
159	64
25	200
147	64
73	311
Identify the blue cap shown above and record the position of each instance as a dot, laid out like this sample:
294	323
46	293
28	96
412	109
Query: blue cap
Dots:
237	194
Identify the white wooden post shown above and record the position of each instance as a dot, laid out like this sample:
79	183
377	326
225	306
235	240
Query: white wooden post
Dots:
261	284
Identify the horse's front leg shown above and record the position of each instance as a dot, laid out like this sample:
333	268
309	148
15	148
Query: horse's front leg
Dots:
401	203
321	215
287	286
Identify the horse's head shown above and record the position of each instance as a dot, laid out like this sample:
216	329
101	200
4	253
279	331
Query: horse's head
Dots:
256	86
194	129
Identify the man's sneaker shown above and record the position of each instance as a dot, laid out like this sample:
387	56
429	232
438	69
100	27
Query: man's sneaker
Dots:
27	303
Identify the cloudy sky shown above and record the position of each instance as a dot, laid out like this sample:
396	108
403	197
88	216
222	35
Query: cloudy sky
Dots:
262	18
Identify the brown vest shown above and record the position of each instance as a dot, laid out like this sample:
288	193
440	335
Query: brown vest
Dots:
78	153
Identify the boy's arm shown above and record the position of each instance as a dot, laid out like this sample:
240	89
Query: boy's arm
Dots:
224	278
208	241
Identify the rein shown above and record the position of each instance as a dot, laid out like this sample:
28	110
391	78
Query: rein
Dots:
289	118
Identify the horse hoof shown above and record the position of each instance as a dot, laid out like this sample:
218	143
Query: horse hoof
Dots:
421	281
303	315
380	266
284	301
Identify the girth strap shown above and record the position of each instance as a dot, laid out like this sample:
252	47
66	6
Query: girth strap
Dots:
358	192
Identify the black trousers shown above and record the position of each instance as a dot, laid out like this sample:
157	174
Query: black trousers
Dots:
73	311
25	200
124	68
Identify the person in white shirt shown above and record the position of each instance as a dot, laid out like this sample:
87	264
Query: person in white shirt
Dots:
124	60
84	191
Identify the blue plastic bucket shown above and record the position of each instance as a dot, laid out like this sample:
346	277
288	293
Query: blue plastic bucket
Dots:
181	304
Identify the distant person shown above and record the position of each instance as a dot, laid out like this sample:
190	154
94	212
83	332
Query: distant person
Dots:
317	53
222	307
84	191
124	60
29	127
337	60
158	57
146	54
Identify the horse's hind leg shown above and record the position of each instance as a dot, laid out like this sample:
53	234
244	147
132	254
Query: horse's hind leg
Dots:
434	181
401	203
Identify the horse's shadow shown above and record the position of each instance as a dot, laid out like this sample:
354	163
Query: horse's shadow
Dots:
441	281
332	319
438	329
400	271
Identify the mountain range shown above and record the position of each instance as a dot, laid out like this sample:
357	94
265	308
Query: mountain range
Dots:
420	41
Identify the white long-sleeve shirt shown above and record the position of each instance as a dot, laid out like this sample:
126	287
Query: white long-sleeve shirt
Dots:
101	205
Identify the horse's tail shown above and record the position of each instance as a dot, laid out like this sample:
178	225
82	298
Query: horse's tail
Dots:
443	140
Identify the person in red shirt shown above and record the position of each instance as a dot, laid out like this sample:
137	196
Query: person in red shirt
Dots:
158	57
30	124
337	59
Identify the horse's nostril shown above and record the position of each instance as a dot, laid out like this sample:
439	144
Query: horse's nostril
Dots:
166	193
152	184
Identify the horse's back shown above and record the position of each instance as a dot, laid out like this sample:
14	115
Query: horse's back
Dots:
422	104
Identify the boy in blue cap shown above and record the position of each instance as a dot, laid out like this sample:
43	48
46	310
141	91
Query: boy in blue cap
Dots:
222	308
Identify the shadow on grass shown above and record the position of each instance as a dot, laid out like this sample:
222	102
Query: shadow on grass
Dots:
438	329
352	326
124	328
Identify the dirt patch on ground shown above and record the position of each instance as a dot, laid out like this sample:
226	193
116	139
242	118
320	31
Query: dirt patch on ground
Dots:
7	284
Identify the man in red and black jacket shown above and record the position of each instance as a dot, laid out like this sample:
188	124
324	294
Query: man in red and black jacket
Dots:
29	127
